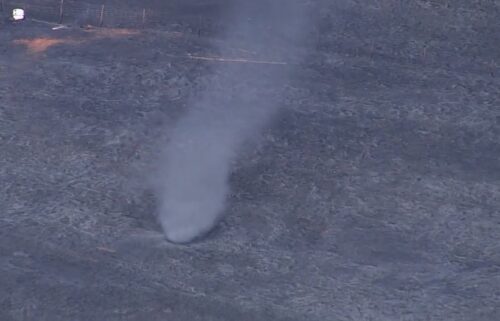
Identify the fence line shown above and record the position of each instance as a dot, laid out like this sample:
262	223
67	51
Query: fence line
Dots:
75	12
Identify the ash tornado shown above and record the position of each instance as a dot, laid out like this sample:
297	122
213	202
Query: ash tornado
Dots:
239	101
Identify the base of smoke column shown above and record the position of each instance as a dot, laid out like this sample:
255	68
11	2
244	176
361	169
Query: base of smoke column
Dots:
188	235
183	236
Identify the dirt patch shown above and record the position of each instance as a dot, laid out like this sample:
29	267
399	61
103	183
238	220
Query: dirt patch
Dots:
39	45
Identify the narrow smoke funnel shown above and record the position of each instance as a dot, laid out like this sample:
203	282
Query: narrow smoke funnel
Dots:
241	99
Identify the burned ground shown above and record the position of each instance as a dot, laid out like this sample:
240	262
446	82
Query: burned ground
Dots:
374	195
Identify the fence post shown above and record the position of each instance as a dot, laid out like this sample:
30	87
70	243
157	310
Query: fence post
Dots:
61	11
143	16
101	17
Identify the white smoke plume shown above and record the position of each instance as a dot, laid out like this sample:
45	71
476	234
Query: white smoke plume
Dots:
241	99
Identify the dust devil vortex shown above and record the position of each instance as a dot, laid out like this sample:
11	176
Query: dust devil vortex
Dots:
233	108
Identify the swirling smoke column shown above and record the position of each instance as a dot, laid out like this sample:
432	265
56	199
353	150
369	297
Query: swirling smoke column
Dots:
233	108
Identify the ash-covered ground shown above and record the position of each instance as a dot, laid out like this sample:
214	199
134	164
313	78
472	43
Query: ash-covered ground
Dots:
373	195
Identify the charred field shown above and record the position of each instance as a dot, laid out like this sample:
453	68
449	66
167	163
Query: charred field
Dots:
373	195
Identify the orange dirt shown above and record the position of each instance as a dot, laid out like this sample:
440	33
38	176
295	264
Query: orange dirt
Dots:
39	45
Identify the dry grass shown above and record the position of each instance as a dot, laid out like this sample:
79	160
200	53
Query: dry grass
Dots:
112	32
237	60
